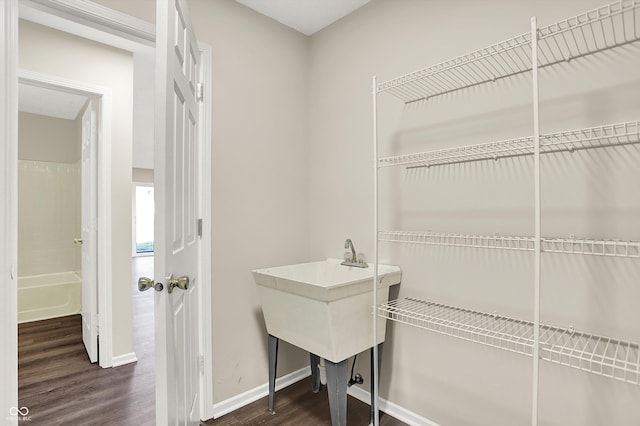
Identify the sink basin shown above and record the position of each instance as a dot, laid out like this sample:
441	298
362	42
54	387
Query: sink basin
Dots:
323	307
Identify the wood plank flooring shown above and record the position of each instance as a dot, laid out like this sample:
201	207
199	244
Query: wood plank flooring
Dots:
296	405
60	387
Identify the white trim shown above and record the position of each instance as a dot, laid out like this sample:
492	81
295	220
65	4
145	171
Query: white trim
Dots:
105	287
103	97
98	16
124	359
204	181
8	208
390	408
245	398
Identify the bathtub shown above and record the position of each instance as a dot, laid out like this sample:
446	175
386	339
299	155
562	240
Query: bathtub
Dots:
49	296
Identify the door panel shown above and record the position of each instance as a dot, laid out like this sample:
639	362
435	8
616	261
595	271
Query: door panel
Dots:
89	218
177	244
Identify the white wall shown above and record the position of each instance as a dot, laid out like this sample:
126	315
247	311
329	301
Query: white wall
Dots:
60	54
588	193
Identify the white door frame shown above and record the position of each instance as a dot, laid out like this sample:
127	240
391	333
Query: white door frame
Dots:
9	209
91	16
102	97
204	262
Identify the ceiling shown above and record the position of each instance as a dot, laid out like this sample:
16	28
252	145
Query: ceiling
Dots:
305	16
52	103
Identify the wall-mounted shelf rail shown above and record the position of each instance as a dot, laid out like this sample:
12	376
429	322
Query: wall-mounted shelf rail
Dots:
567	141
614	358
603	28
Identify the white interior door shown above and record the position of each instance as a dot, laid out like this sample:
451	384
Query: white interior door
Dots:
176	239
89	218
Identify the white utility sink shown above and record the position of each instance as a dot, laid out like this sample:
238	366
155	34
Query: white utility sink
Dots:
323	307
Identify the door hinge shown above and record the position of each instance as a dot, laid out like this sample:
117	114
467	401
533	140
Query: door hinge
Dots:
199	92
201	364
96	318
199	227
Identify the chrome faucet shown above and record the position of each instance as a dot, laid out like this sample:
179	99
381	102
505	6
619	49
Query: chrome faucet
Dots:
353	261
349	244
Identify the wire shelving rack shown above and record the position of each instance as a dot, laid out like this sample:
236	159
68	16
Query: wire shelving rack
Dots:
610	26
605	356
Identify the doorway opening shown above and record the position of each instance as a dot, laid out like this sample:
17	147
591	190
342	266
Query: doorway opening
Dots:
67	168
49	200
143	219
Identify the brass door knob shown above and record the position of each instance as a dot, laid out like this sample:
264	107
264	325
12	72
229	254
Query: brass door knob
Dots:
145	284
181	283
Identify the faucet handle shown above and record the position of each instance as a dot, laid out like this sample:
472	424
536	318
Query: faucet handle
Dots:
361	258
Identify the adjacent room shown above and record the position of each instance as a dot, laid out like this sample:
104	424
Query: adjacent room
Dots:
340	212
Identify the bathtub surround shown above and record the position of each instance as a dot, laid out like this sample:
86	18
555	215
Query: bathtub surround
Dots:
49	284
49	296
49	261
49	217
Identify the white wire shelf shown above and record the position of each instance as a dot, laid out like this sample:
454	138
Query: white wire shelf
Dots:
459	240
566	141
594	31
605	356
612	248
582	246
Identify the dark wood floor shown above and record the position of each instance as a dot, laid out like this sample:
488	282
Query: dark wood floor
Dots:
296	405
60	387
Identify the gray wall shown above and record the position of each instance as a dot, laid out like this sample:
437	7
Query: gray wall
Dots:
45	138
590	193
259	180
142	175
292	178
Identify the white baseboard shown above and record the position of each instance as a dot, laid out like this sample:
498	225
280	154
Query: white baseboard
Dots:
233	403
400	413
119	360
